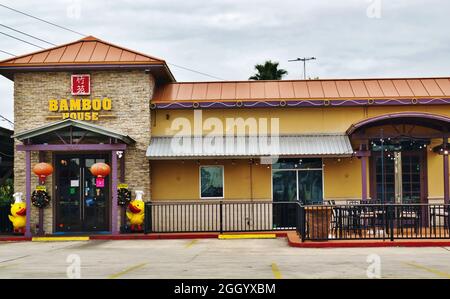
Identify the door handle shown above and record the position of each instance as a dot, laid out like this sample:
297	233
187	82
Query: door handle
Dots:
81	193
83	197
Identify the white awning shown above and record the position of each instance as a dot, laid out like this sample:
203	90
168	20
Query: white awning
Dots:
314	145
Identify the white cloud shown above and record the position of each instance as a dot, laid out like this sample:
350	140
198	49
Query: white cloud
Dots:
226	38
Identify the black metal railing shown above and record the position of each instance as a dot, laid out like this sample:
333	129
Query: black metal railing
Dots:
352	221
220	216
5	224
374	221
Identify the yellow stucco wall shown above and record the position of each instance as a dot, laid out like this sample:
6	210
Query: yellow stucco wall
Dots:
435	173
291	120
179	180
342	180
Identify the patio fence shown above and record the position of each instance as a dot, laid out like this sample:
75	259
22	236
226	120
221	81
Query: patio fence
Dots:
220	216
374	221
359	221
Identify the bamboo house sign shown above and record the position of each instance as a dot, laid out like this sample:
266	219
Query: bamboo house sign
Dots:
80	109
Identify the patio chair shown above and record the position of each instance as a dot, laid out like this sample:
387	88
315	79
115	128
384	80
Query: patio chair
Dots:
334	219
348	219
409	215
439	213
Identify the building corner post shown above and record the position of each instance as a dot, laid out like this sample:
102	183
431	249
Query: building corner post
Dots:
114	206
446	182
28	193
363	154
364	178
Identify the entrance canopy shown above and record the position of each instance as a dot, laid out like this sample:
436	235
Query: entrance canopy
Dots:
74	136
71	131
316	145
433	121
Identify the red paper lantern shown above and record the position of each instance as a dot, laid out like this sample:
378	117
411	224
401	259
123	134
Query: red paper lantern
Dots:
42	170
100	170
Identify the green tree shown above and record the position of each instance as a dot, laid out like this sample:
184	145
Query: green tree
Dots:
6	192
268	71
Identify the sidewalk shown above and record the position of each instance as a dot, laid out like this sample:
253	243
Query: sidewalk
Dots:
291	236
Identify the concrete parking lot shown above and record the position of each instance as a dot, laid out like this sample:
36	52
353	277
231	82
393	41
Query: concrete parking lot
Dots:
212	258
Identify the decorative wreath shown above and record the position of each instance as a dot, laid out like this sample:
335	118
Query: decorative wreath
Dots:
124	196
40	198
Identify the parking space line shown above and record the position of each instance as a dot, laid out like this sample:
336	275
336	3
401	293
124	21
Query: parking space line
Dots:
113	276
189	245
8	265
431	270
276	271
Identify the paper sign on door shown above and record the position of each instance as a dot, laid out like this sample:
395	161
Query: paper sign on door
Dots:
74	183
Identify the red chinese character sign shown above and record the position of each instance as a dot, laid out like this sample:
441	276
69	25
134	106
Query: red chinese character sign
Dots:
81	85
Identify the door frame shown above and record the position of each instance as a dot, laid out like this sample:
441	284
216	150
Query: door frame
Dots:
82	154
423	174
296	176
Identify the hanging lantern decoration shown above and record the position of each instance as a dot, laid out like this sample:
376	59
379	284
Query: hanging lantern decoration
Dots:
100	170
42	170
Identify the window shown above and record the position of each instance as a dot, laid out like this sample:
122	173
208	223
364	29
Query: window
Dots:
211	182
298	179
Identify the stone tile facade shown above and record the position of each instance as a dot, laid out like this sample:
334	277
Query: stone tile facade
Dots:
130	92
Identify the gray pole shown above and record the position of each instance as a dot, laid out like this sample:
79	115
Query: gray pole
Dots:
304	59
304	69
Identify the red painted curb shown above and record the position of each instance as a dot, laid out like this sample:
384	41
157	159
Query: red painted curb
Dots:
171	236
331	244
14	239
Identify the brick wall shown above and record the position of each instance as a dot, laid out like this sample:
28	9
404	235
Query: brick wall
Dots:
130	92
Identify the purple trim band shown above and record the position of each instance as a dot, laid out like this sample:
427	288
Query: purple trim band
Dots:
72	147
298	103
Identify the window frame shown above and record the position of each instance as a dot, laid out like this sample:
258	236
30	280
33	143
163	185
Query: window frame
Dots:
297	170
200	181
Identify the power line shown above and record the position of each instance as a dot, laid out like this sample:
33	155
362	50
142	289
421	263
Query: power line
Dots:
19	39
194	71
42	20
62	27
7	53
5	119
29	35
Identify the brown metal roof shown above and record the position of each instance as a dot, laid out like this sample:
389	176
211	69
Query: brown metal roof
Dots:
89	50
309	89
89	53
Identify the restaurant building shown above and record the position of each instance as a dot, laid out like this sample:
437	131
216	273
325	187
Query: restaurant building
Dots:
313	141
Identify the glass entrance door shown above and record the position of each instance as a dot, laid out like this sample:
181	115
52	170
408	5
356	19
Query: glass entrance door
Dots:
399	176
80	205
295	180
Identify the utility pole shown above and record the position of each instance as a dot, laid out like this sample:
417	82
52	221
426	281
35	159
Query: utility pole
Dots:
304	59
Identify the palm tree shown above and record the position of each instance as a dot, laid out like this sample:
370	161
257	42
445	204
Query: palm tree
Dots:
268	71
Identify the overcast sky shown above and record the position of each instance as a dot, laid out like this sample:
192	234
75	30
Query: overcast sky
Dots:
226	38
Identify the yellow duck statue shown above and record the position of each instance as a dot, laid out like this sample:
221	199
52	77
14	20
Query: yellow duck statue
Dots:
136	212
18	214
